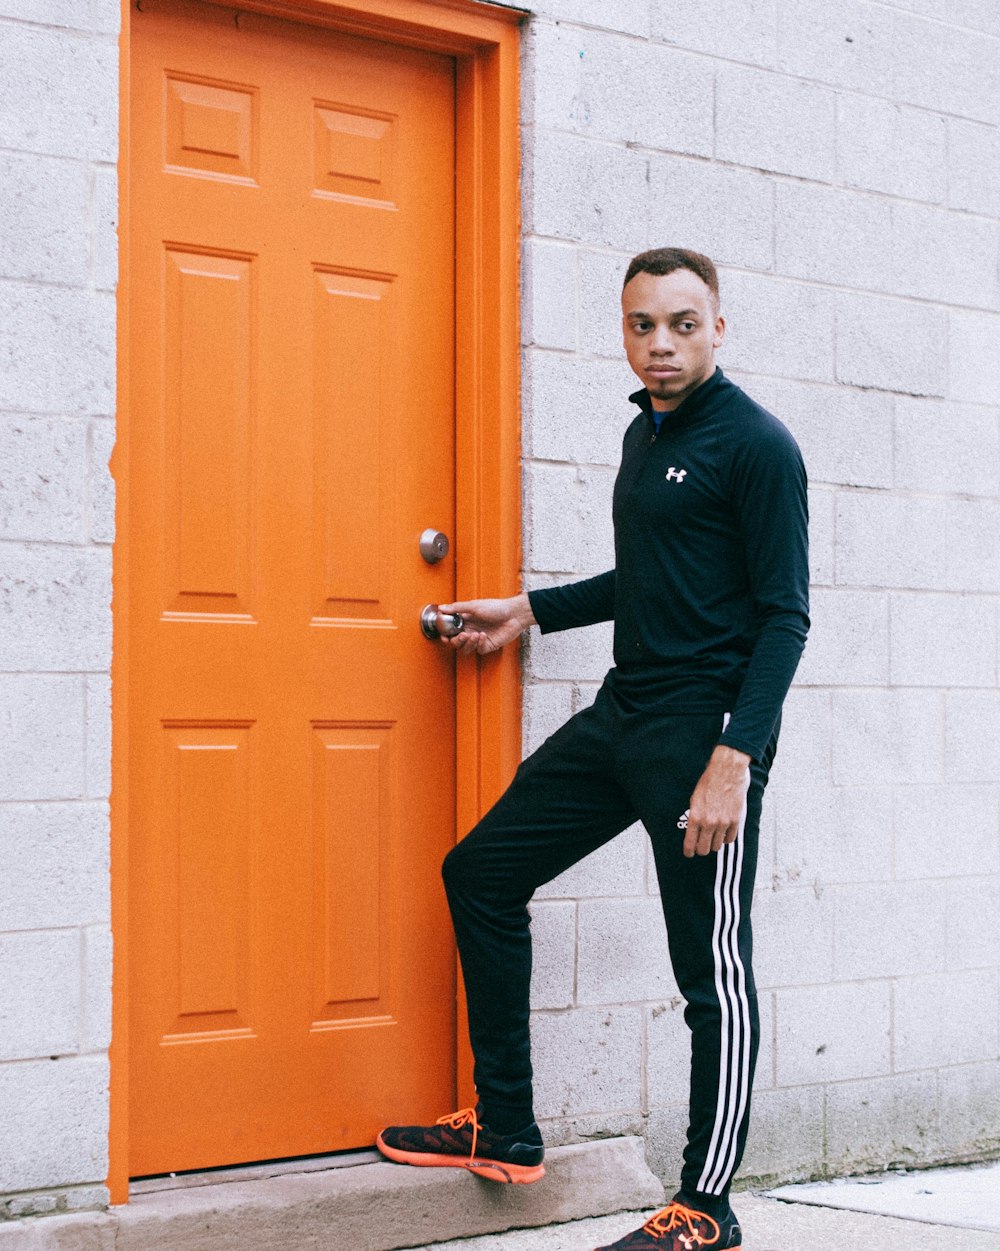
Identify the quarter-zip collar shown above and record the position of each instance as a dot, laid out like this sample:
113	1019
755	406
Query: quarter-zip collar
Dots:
707	400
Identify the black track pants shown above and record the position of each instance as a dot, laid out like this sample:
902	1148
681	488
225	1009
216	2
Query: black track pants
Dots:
600	772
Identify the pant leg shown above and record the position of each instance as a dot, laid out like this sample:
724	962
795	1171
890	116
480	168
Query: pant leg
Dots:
562	804
706	904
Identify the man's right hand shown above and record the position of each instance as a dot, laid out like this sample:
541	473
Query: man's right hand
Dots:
489	623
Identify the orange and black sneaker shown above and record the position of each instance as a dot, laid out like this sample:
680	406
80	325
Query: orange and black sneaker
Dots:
678	1227
461	1141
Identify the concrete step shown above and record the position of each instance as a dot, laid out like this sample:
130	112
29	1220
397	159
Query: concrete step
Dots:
368	1207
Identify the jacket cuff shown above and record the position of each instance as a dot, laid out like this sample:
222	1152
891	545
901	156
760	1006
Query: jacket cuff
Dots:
740	744
539	599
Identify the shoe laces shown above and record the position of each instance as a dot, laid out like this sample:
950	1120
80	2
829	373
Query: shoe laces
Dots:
683	1221
458	1120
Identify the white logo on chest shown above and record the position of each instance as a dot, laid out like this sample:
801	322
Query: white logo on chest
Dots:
675	475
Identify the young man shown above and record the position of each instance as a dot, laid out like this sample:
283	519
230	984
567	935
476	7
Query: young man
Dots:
709	597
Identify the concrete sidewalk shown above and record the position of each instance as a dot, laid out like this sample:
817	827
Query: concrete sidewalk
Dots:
956	1209
965	1197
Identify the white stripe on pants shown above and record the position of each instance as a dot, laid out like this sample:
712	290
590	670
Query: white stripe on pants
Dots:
730	985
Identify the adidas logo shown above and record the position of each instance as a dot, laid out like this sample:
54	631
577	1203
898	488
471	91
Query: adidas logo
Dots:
682	824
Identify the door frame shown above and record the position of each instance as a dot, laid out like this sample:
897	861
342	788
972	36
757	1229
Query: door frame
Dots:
484	39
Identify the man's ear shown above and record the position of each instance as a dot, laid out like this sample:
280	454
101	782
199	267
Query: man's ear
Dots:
720	331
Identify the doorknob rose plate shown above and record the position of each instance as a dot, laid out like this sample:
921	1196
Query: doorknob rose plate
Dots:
436	624
433	545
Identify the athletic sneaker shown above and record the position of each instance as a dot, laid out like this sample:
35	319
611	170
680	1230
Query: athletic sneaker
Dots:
680	1228
461	1141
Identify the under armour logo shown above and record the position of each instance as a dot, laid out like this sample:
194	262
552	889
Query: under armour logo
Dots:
682	824
676	474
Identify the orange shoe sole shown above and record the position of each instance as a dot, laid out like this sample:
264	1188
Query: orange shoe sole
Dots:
739	1248
492	1170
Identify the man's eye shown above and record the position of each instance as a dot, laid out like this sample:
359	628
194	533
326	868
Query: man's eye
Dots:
687	326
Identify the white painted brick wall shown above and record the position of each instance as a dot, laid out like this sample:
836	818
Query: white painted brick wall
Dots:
849	642
968	1108
835	834
974	356
971	14
58	266
677	185
600	1061
39	1019
822	504
946	68
971	733
922	854
781	327
600	85
794	936
945	1018
891	344
969	900
833	1033
881	736
847	46
774	122
553	933
787	1127
738	30
549	289
973	167
55	1122
942	446
888	147
621	953
834	236
841	163
55	865
862	455
891	1119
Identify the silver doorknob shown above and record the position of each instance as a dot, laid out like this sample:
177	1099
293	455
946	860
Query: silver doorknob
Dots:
436	624
433	546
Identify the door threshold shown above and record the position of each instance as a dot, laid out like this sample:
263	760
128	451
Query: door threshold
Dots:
257	1171
320	1203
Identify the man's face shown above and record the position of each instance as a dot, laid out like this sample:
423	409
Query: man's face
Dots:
671	329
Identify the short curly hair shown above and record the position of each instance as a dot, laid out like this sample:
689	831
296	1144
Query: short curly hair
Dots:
666	260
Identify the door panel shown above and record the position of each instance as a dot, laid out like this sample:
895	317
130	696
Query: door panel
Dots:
291	732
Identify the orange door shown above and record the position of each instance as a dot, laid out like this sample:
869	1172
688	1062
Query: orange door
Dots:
292	733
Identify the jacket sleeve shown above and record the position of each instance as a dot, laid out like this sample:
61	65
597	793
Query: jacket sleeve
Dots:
576	604
771	503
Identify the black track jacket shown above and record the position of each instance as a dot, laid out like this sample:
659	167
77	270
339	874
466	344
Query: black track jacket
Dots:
710	590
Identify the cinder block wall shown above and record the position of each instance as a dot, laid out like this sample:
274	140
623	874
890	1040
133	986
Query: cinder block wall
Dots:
842	164
58	150
843	169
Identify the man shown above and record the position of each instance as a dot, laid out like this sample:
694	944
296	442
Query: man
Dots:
709	597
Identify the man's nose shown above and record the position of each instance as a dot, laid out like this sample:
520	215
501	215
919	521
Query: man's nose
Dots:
663	342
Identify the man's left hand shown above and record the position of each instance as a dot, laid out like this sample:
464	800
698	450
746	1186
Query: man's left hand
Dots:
718	802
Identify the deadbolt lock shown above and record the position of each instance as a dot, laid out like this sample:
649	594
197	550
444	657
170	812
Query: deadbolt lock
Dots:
433	546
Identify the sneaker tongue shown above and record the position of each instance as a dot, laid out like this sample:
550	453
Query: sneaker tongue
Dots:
504	1122
718	1210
